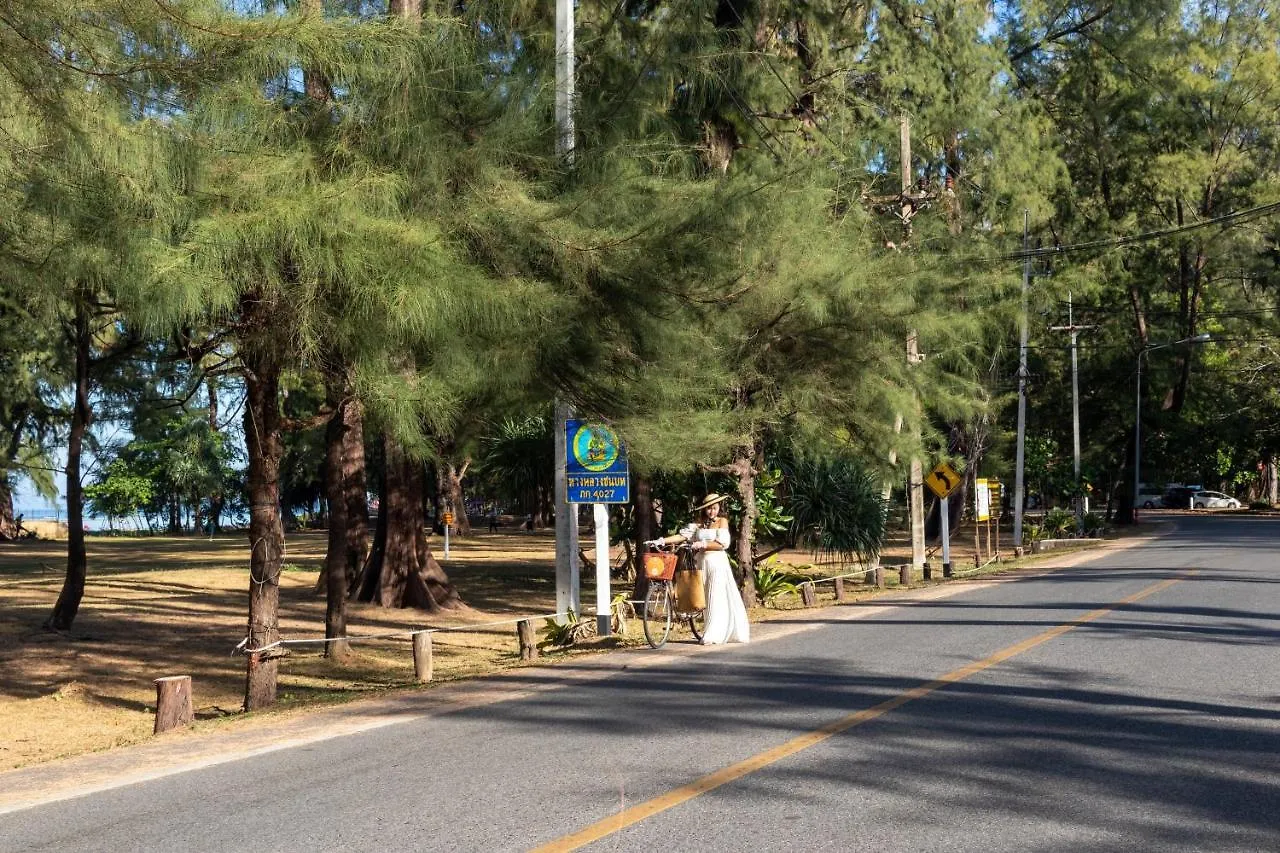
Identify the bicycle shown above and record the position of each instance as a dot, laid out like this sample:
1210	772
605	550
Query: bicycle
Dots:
662	608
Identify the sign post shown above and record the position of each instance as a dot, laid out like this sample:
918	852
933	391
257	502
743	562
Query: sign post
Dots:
942	481
597	473
447	518
946	538
981	515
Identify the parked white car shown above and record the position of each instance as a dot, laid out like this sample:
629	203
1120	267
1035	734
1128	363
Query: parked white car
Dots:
1214	500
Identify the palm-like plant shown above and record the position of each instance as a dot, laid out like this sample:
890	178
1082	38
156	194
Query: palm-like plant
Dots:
517	459
836	505
771	582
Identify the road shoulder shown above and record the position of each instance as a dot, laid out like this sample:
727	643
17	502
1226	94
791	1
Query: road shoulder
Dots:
245	737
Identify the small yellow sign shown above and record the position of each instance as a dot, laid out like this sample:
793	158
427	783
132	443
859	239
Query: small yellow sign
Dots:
447	518
943	480
982	500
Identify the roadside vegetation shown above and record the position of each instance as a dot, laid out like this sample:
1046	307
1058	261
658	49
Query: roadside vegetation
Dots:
269	270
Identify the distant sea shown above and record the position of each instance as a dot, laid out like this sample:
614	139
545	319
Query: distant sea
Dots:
59	513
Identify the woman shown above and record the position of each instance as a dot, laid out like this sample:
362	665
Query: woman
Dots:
726	617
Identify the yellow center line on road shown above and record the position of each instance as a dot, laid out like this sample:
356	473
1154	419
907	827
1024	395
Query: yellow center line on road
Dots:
641	811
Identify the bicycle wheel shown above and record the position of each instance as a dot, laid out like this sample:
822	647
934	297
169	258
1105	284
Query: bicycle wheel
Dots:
698	624
657	613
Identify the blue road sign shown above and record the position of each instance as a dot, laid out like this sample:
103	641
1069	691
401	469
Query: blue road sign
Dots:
596	465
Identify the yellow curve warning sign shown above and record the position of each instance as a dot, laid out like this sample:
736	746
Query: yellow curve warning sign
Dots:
943	480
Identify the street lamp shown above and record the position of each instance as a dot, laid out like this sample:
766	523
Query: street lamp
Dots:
1137	420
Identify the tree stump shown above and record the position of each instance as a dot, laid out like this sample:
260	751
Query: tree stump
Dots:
808	594
524	632
839	584
173	703
422	667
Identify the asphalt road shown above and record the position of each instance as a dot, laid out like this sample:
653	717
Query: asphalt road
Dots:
1132	703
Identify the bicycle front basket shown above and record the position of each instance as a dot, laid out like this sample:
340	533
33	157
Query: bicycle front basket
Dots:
660	565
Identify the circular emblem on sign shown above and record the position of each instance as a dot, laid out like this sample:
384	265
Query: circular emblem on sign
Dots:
595	447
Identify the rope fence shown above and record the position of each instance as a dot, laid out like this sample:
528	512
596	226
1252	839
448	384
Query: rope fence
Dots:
975	569
421	638
408	633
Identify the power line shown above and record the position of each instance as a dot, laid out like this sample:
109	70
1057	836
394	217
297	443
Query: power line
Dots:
1234	218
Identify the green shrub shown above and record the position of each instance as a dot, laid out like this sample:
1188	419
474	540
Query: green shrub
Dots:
568	632
1032	533
623	611
1058	523
1094	524
771	583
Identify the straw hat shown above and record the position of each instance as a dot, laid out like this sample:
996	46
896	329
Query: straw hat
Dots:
710	499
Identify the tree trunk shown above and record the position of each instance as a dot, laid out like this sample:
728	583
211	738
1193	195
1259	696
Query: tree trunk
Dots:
746	468
1125	510
216	499
1273	481
404	516
437	496
355	490
64	611
335	560
266	534
455	497
643	530
8	524
368	586
405	573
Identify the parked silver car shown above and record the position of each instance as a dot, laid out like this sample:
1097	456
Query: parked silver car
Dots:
1214	500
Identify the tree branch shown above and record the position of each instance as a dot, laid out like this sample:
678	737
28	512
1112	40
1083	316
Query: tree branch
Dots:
1063	33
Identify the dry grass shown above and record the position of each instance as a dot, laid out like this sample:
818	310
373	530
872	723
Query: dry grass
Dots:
176	606
170	606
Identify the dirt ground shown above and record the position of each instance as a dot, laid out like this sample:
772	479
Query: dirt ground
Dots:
162	606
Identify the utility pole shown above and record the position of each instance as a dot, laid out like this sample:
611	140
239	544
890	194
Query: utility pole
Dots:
1018	487
567	569
564	80
905	206
1075	401
915	480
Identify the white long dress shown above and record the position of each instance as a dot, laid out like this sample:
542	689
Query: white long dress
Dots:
726	617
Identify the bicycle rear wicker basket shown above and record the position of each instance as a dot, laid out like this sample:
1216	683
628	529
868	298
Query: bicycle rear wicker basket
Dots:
660	565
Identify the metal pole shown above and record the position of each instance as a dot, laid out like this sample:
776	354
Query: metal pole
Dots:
567	582
1075	391
946	538
915	471
1075	330
1018	496
564	80
604	621
1137	439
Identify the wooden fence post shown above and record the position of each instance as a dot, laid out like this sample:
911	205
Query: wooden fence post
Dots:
839	584
878	577
528	648
808	594
173	703
422	664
